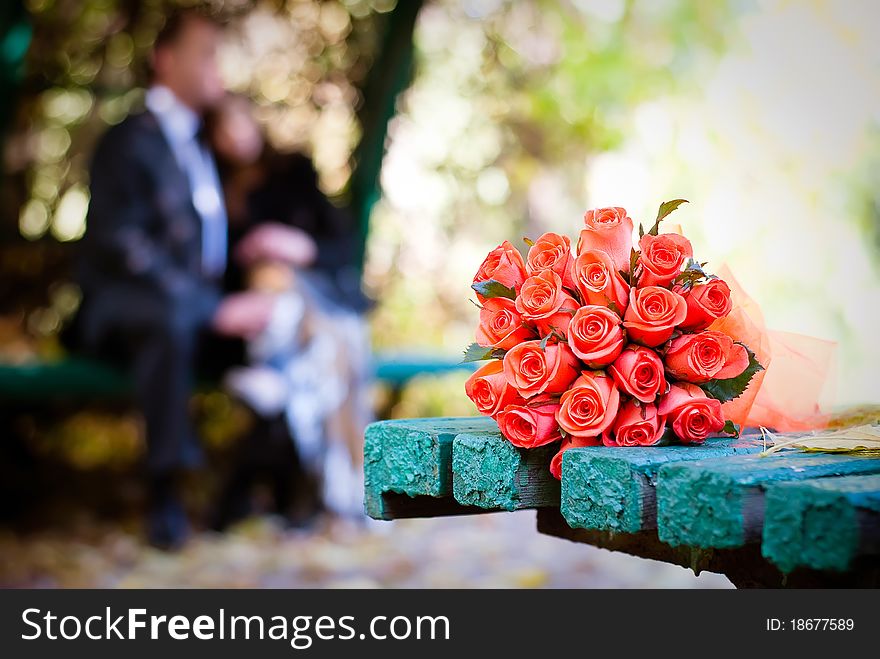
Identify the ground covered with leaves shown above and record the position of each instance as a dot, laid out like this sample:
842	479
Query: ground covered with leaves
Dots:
485	551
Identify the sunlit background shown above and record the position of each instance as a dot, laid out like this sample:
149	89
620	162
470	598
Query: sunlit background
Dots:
520	115
763	114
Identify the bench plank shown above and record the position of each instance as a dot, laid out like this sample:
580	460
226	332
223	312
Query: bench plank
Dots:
744	566
413	457
720	502
672	503
824	524
490	472
612	488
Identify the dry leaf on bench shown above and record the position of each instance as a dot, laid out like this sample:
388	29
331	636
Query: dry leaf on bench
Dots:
859	438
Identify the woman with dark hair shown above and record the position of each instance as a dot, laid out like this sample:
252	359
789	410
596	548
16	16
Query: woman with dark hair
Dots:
312	363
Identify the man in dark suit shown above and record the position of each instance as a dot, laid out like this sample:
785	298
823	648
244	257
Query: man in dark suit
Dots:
155	252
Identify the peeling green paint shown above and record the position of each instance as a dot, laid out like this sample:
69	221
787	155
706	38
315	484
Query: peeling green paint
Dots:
818	524
612	488
719	502
412	457
490	472
819	512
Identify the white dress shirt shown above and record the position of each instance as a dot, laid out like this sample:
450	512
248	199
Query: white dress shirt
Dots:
180	125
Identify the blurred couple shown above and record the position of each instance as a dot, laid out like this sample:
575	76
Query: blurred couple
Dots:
208	255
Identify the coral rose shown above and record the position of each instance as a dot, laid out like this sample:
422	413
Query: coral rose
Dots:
552	252
639	372
544	302
705	304
597	280
589	407
709	355
595	335
609	230
489	389
694	415
531	424
567	443
636	425
652	314
533	370
505	265
501	325
662	258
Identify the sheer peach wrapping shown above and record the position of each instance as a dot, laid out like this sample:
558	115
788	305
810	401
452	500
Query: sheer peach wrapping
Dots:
788	395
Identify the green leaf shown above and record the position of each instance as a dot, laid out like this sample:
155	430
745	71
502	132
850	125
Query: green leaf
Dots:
641	230
490	289
725	390
730	428
692	274
665	209
477	353
633	279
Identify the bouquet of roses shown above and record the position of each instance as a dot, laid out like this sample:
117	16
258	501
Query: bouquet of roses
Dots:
612	344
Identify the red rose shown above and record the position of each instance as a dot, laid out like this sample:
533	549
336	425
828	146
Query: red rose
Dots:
637	424
501	325
545	303
567	443
662	258
609	230
652	314
552	252
595	335
597	280
709	355
588	408
705	304
505	265
533	370
694	415
531	424
489	389
639	372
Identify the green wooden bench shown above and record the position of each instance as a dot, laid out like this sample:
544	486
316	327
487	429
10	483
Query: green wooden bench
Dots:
786	519
77	378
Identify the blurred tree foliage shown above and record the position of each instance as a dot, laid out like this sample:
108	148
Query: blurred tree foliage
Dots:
303	62
544	84
510	103
15	37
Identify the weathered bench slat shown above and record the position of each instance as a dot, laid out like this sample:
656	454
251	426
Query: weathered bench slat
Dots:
744	566
720	502
819	515
403	506
612	488
414	457
490	472
824	524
